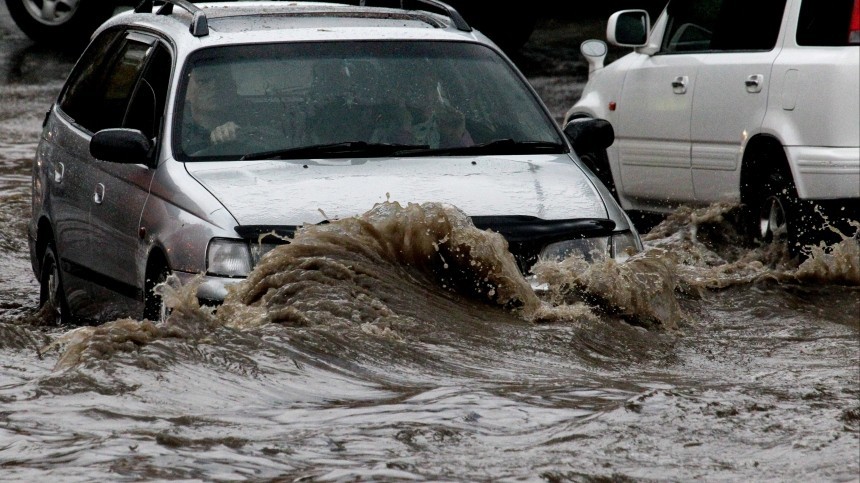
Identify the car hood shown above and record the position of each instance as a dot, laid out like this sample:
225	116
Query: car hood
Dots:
300	192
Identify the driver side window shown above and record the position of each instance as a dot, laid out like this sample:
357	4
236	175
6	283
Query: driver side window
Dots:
722	25
146	109
690	26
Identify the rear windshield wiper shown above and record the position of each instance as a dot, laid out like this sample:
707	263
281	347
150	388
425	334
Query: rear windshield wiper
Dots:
497	146
336	150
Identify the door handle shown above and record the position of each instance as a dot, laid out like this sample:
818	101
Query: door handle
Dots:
754	83
99	194
59	171
679	85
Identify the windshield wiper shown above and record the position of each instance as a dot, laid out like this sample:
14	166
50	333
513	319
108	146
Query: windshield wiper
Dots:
336	150
497	146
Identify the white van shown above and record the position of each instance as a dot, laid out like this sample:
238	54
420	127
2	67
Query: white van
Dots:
730	100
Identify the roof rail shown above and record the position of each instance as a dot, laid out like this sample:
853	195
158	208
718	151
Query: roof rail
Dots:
199	23
448	10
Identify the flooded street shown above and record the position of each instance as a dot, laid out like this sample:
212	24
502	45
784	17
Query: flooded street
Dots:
346	357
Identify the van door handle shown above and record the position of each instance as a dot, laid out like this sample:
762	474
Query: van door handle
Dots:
754	83
679	85
99	194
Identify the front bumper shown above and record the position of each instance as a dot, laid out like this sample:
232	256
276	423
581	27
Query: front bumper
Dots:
211	290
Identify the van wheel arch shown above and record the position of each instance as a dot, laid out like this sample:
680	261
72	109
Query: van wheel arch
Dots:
769	198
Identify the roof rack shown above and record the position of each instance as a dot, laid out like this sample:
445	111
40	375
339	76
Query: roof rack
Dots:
199	23
448	10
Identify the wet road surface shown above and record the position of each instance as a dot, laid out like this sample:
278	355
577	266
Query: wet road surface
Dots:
698	359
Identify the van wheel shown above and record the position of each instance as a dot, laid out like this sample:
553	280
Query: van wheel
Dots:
598	163
52	296
153	304
781	214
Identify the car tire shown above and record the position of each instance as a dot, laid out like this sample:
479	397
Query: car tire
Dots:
598	163
154	308
60	26
52	295
779	213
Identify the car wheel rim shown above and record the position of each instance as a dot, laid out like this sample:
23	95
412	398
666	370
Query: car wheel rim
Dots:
51	12
53	295
771	219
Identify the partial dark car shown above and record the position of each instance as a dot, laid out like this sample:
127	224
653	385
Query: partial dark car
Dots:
193	139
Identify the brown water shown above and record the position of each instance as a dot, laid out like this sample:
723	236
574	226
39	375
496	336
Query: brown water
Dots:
405	345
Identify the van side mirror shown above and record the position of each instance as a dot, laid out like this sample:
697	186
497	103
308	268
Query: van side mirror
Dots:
629	28
120	145
589	135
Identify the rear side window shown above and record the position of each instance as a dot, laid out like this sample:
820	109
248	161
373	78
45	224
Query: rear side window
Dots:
86	78
722	25
826	23
98	95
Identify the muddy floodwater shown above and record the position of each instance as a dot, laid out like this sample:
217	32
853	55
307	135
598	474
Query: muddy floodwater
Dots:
404	345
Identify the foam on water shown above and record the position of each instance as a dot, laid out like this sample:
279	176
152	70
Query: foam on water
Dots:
380	273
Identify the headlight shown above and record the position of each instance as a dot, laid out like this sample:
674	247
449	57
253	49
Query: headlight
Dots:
587	248
619	246
228	258
625	244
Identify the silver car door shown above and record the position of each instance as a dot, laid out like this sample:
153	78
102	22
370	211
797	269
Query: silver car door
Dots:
120	189
68	170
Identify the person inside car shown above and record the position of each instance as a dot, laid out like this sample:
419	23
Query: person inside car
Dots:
210	106
424	118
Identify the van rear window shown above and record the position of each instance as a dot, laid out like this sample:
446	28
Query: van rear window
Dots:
825	23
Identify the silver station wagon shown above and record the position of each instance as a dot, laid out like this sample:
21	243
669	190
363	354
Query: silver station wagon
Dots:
189	139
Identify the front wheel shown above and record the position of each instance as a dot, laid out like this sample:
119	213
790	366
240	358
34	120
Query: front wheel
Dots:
154	308
52	296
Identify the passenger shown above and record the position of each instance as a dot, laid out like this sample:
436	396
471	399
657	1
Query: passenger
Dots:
424	118
211	102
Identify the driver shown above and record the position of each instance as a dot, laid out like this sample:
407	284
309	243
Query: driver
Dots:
211	100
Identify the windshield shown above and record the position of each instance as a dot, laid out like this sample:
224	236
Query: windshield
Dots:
359	99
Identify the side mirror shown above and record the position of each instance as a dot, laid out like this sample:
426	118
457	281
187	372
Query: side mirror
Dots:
589	135
594	52
628	28
120	145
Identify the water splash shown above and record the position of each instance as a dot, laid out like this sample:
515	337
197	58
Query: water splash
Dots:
712	254
370	273
641	290
387	272
341	271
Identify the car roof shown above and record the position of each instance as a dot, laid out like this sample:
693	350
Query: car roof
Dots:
272	21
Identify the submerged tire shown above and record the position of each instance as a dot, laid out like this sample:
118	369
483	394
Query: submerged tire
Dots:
153	305
52	295
779	214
